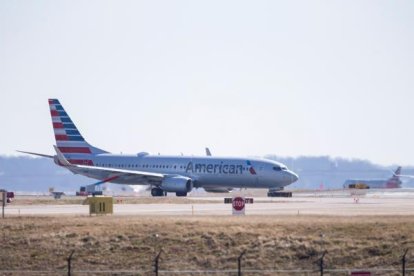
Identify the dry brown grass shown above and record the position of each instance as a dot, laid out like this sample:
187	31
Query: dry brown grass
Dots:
119	242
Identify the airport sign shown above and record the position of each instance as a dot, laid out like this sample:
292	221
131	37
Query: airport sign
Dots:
238	204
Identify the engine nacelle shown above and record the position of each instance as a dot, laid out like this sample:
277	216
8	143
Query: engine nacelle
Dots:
177	184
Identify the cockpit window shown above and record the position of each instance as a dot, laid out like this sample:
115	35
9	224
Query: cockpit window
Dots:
279	168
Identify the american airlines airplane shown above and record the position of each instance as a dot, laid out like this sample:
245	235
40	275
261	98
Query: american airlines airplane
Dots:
164	174
391	183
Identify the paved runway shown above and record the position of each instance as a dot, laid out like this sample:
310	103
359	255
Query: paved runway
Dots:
303	205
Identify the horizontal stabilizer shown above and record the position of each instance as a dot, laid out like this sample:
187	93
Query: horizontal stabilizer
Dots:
37	154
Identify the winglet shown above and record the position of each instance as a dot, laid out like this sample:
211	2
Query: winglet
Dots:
62	160
208	152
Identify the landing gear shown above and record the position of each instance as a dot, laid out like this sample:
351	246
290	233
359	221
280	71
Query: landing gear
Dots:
278	192
158	192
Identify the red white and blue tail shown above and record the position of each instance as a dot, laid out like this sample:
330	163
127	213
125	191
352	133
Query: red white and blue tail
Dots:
68	138
397	173
394	181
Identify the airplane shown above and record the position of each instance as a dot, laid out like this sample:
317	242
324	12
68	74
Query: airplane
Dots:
164	174
393	182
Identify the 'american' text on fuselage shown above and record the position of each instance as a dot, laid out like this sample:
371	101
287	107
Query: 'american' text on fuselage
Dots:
214	168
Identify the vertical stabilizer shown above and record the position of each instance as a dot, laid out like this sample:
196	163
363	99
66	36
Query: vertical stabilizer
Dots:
69	141
394	181
397	172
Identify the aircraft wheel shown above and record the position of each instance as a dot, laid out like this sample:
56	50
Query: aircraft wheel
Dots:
158	192
181	194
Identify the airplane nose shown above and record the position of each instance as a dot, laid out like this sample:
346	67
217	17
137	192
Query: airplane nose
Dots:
294	177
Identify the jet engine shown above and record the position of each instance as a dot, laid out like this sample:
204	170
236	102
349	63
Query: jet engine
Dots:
177	184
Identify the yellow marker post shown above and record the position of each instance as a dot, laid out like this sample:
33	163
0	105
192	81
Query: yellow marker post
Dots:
100	205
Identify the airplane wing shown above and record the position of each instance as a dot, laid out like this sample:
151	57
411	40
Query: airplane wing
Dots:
111	174
118	175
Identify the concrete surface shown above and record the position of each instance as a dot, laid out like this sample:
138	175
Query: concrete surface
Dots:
306	204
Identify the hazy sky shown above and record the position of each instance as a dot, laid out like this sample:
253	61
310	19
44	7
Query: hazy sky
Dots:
242	77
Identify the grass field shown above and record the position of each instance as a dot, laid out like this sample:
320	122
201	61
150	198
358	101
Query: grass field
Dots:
125	243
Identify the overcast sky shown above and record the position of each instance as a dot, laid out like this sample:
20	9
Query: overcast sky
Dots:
246	78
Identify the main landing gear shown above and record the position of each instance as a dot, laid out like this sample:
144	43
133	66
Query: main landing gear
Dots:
158	192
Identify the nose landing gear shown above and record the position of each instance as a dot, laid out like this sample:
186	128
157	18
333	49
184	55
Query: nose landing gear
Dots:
278	192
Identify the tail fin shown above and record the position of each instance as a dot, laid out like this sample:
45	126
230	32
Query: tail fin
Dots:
394	181
68	139
397	172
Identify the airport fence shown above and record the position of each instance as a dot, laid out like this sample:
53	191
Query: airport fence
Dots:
229	272
320	269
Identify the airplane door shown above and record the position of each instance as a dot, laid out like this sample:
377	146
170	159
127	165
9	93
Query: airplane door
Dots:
258	175
190	172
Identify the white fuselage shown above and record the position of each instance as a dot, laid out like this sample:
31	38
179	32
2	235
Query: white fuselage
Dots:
205	171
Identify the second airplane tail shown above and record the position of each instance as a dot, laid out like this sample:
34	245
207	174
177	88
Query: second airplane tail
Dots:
394	181
397	173
69	141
